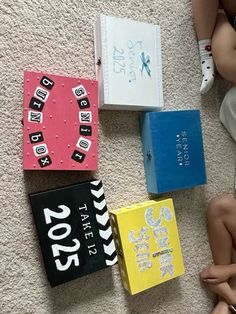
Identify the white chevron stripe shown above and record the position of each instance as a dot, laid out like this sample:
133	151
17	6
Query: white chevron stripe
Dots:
105	234
100	205
95	182
110	263
98	193
110	248
102	219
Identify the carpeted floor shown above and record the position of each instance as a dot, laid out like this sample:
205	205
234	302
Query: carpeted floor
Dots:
57	37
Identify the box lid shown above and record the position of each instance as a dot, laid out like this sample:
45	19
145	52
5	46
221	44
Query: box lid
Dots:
174	142
150	244
131	62
60	122
74	230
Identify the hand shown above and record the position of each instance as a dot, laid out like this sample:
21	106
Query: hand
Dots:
216	273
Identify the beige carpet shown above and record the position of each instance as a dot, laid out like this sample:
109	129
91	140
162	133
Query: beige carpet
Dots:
56	36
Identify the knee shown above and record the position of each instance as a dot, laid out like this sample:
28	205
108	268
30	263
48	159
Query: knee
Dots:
220	206
222	64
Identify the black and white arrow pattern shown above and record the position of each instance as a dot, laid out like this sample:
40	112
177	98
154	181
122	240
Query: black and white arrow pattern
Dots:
105	234
99	205
102	217
98	193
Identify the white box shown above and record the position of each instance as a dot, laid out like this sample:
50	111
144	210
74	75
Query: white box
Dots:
128	64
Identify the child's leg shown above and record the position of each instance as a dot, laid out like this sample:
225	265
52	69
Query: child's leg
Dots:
224	48
229	6
204	16
221	308
221	215
222	235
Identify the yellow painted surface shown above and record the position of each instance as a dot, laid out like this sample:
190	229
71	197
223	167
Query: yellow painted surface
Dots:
148	244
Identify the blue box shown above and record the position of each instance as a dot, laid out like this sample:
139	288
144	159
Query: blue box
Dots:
173	150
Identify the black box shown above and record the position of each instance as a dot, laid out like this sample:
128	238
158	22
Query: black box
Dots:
74	230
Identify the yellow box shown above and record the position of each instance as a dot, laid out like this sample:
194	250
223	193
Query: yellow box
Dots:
147	243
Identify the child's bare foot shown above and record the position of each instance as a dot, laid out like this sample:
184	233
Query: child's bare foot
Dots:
221	308
223	290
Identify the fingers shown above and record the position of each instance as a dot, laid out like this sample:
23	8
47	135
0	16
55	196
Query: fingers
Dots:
211	280
208	272
206	276
205	273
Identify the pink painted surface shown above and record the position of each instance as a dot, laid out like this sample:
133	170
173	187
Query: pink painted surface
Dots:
60	124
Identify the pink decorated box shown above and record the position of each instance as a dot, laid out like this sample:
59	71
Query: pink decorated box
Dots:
60	122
